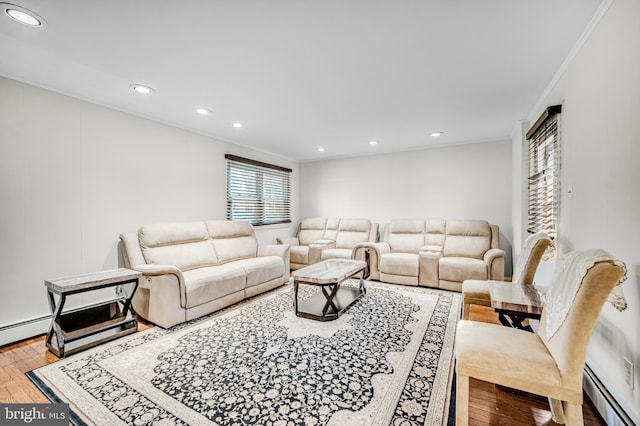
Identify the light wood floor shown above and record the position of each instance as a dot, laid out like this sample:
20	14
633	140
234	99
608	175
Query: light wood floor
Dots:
489	405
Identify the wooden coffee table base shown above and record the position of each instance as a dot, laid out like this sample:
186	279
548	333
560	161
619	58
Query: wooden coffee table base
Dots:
329	303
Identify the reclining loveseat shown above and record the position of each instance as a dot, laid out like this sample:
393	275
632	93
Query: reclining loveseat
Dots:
320	238
435	253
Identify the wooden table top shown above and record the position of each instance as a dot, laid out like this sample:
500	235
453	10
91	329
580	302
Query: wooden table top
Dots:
515	297
329	271
91	280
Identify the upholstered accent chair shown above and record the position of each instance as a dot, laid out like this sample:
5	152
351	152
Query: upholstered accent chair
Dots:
436	253
476	292
549	363
320	238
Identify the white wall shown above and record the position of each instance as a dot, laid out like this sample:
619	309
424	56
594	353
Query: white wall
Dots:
600	129
75	175
461	182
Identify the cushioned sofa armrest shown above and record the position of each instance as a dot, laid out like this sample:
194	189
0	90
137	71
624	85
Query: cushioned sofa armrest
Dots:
494	258
429	258
432	249
292	241
156	270
359	250
362	251
376	250
316	248
280	250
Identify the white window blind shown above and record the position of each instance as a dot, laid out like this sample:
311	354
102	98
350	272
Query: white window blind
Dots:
257	192
544	173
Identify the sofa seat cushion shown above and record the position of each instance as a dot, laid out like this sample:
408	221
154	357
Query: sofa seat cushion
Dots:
405	264
206	284
336	253
299	254
459	269
260	270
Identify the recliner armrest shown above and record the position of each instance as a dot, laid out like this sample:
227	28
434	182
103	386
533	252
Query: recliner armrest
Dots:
317	247
376	250
280	250
292	241
428	259
159	270
494	258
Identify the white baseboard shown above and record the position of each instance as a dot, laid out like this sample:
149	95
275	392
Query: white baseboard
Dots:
24	330
610	410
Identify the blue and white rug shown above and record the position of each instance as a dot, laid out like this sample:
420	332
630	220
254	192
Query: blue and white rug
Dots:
386	361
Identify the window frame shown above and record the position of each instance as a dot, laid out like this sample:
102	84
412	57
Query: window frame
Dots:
543	174
257	192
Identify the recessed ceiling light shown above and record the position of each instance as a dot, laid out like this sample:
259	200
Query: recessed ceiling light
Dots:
141	88
202	111
321	149
22	15
436	134
373	142
237	125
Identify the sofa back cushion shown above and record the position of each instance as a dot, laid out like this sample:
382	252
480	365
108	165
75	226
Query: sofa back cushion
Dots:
331	229
311	229
352	232
405	235
409	235
434	232
232	240
185	245
467	238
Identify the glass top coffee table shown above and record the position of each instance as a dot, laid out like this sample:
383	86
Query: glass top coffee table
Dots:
329	303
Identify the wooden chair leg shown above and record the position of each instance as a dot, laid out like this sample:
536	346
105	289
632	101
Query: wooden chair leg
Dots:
462	400
557	413
573	414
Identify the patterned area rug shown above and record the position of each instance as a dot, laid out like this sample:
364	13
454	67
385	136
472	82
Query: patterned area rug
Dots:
386	361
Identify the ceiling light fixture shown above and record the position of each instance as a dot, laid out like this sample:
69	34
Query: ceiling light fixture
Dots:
141	88
202	111
373	142
321	149
237	125
22	15
436	134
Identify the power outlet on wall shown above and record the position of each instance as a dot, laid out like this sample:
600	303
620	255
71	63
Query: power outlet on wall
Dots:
628	372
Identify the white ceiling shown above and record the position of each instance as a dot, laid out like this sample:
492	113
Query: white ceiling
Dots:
300	74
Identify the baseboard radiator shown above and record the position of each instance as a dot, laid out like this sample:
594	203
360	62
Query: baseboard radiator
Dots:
612	413
24	330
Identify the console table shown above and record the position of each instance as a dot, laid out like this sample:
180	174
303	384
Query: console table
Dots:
81	328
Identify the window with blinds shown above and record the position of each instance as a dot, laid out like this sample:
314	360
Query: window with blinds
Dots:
257	192
544	173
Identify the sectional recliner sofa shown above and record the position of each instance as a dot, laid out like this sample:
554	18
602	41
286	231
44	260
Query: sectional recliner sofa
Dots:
435	253
194	268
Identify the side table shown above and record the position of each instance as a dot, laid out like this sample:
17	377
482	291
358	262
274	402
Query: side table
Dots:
515	303
89	326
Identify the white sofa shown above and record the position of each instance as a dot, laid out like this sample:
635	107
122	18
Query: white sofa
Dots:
436	253
321	238
194	268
